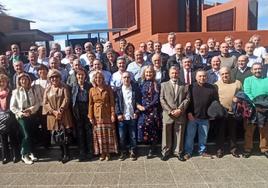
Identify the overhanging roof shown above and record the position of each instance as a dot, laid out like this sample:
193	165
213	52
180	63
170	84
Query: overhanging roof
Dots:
16	18
114	30
28	36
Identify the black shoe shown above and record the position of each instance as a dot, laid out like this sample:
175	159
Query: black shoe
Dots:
150	154
82	158
16	159
265	154
122	157
65	159
246	154
235	154
132	156
181	158
164	157
219	154
4	161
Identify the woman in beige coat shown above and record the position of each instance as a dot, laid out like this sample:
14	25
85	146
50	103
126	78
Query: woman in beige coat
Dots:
56	107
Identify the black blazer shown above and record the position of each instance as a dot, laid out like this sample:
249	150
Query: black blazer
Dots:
172	61
265	70
193	73
198	64
119	99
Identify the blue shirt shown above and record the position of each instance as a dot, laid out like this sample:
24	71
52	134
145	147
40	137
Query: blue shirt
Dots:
136	69
116	79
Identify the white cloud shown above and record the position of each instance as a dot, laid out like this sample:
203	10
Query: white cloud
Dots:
58	15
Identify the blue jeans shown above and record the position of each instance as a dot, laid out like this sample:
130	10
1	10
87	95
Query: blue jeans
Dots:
127	127
202	126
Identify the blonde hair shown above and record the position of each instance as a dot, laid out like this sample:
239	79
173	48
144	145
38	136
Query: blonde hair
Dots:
92	80
151	67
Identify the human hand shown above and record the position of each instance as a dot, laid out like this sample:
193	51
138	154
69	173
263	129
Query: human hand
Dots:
112	118
176	113
191	117
120	118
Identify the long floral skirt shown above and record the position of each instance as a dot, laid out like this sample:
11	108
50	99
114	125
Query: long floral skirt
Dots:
104	138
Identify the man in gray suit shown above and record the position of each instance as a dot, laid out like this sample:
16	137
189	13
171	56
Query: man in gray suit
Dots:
174	100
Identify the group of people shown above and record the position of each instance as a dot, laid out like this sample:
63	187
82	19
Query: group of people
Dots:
111	100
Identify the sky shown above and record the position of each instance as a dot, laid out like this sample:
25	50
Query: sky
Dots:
69	15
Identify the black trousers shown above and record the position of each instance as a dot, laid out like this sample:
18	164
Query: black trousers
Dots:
14	143
226	125
84	129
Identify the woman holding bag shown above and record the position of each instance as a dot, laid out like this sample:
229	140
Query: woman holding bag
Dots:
56	107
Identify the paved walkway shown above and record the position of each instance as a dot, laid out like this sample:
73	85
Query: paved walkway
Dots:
197	172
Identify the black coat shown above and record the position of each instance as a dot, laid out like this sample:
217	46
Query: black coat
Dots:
198	62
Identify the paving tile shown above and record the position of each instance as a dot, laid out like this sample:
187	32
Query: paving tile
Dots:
223	185
132	167
255	185
192	185
262	173
216	176
255	164
76	167
188	177
230	164
6	179
41	179
177	167
159	177
245	176
160	186
105	166
79	179
205	164
105	179
132	179
156	166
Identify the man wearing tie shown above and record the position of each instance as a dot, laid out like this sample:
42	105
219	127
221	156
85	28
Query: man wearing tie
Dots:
187	74
174	100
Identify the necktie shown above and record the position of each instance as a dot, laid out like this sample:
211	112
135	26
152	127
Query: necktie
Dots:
188	77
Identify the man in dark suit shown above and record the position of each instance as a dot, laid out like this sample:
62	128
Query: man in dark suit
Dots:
174	100
176	59
238	49
157	50
187	74
202	60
